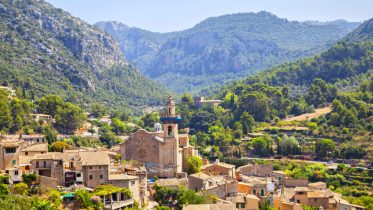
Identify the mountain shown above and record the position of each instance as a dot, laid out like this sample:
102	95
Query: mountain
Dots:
363	33
224	48
44	50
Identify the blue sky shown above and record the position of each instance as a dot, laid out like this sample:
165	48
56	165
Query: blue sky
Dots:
172	15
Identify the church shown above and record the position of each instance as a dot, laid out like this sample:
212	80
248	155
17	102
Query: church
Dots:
163	151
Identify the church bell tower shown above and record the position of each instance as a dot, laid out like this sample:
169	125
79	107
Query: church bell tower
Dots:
170	119
170	154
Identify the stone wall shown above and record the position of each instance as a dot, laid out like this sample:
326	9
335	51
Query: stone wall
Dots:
95	172
47	183
291	182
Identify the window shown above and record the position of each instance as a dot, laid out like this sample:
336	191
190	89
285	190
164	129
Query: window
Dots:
37	164
262	192
90	176
14	162
101	176
279	178
298	201
10	150
243	205
254	192
315	199
45	164
26	153
99	167
132	183
16	173
78	175
169	110
169	130
90	167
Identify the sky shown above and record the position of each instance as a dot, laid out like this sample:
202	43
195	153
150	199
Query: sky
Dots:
174	15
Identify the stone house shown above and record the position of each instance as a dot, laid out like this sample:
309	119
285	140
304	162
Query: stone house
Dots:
245	202
256	170
219	169
130	182
216	185
95	167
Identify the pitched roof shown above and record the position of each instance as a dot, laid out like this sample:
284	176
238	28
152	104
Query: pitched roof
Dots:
94	158
200	176
209	207
36	148
224	165
318	194
121	177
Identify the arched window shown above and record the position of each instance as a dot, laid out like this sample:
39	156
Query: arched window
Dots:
169	130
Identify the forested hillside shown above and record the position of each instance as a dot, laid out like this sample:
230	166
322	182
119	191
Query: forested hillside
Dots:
224	48
340	77
44	50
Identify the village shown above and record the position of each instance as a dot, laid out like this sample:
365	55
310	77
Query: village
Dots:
147	160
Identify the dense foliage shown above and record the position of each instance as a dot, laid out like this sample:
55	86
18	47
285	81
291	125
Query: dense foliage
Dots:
222	49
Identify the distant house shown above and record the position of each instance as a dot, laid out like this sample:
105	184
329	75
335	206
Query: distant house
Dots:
201	101
41	117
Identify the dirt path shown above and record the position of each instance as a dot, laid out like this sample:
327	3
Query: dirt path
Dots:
318	112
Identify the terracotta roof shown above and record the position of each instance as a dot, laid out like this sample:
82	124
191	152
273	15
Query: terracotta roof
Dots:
172	182
36	148
236	199
252	197
200	176
55	156
301	189
318	194
121	177
25	159
209	207
224	165
92	158
317	185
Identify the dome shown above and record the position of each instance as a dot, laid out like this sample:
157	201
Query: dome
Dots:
157	127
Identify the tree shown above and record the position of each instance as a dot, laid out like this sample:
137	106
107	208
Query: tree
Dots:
262	146
68	118
4	190
49	104
289	146
20	188
29	178
324	148
119	127
50	134
150	119
97	110
193	164
83	197
186	98
5	114
59	146
247	122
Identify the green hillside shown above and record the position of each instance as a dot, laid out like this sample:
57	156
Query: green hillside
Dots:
225	48
44	50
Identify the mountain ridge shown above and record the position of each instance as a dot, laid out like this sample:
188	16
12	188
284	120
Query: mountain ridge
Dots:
45	50
223	48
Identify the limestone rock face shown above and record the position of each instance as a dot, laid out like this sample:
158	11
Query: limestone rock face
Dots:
64	55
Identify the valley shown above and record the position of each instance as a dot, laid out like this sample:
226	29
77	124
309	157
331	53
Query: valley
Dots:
243	111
